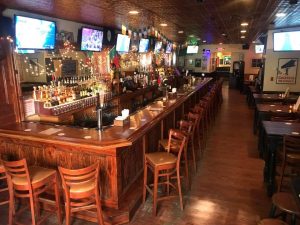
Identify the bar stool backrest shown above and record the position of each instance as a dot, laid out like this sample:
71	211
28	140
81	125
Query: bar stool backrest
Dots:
291	144
180	138
78	176
186	126
195	118
16	170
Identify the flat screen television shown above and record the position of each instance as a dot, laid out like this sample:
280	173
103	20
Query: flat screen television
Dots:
259	49
169	48
91	39
123	42
286	41
192	49
34	33
158	46
144	45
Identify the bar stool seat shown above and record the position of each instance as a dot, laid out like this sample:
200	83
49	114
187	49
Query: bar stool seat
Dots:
161	158
3	177
82	187
285	202
175	145
36	174
271	222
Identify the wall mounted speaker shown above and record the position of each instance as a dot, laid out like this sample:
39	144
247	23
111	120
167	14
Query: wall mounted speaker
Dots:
6	27
245	46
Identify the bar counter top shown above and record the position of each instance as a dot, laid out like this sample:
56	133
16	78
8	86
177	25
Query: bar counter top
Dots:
110	137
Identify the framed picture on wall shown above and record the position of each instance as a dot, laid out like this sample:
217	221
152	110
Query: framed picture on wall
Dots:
287	71
197	62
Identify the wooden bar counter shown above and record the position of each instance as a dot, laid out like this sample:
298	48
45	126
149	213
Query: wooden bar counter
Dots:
119	150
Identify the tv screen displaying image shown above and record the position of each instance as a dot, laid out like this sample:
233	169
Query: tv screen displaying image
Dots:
91	39
158	46
287	41
169	48
144	45
259	49
192	49
34	33
123	42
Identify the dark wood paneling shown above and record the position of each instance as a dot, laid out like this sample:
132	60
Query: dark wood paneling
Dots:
9	111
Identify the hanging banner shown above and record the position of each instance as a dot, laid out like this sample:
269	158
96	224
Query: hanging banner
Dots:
287	71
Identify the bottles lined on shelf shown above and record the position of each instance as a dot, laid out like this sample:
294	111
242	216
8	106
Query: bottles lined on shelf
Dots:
67	90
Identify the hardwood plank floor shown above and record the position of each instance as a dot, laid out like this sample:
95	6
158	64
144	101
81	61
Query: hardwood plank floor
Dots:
228	186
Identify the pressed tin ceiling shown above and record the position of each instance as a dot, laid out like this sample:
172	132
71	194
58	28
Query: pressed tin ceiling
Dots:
204	19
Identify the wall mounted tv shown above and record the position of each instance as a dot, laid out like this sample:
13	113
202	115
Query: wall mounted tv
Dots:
144	45
286	41
259	49
192	49
91	39
158	46
123	42
34	33
169	48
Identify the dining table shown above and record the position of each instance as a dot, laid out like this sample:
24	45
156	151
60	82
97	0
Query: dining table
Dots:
271	141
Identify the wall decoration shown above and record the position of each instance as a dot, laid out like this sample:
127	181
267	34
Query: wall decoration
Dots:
34	67
287	71
197	62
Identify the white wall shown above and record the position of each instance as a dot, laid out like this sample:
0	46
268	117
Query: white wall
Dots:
237	53
271	65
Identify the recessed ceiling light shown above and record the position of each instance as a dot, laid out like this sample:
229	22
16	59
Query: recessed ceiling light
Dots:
180	32
280	14
244	24
163	24
204	41
223	34
220	43
243	37
243	31
191	35
133	12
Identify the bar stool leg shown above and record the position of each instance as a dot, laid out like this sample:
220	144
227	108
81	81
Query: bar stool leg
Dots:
155	191
179	189
68	211
37	206
145	181
273	211
11	202
186	169
193	154
32	208
293	220
57	200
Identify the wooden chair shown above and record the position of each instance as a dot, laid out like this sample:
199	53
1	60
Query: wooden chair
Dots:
185	127
290	157
164	165
30	182
271	222
81	191
201	134
4	180
285	202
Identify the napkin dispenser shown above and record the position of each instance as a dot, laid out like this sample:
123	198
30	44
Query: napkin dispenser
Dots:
123	120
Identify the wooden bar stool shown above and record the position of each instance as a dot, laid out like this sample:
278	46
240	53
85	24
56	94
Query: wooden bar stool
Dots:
30	182
200	131
290	158
81	191
164	165
185	127
271	222
3	189
286	203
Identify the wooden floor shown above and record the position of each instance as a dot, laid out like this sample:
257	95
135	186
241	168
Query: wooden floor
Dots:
228	187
